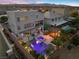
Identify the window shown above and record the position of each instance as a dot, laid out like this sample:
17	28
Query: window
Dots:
25	26
28	25
18	19
52	19
37	24
18	27
55	19
41	22
37	16
59	17
54	12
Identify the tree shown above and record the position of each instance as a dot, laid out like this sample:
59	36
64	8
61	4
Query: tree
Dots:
58	42
3	19
47	26
76	19
74	14
75	22
75	40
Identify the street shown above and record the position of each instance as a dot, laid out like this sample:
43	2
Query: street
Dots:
66	54
3	48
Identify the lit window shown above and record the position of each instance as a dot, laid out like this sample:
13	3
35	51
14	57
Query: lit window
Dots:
23	18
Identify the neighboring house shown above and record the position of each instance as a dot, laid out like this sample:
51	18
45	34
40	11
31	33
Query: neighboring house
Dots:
78	12
54	18
59	10
21	21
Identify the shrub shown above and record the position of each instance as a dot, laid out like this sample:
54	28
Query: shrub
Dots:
75	40
58	42
3	19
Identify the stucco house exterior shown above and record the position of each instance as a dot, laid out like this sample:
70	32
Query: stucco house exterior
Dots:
20	21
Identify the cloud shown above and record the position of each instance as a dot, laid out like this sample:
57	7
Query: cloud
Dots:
18	1
14	1
38	1
73	4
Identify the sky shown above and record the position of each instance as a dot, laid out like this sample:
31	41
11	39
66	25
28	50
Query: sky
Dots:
65	2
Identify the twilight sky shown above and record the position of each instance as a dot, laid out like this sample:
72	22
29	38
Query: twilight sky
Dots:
66	2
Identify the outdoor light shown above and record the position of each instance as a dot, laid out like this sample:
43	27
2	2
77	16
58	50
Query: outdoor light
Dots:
55	34
37	42
20	41
26	47
32	45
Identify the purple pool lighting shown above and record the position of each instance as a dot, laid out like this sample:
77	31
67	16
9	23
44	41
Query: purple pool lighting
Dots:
40	38
39	47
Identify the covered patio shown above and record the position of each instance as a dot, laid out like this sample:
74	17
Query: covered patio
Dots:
57	22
